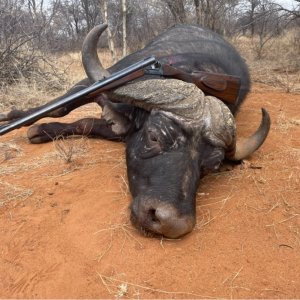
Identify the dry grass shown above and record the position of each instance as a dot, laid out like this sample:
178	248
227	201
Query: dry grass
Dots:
9	151
39	91
278	66
205	213
34	91
119	230
120	288
16	167
71	148
12	192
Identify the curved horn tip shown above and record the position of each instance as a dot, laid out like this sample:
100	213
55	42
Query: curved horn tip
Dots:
95	32
248	146
266	116
90	60
265	122
101	26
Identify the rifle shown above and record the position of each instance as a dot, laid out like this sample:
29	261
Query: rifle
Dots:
225	87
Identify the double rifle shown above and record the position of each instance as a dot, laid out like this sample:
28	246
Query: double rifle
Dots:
225	87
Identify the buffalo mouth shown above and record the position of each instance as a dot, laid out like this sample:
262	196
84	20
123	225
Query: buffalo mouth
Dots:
154	218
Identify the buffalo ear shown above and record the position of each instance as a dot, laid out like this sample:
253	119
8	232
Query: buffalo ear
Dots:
211	159
117	118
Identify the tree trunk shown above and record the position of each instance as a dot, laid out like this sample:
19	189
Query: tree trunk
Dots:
177	9
111	44
254	4
85	6
197	9
124	14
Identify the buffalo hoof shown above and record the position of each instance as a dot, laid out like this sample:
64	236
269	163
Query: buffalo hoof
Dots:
12	115
3	117
42	133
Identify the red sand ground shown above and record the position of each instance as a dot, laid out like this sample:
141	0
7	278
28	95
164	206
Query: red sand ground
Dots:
65	230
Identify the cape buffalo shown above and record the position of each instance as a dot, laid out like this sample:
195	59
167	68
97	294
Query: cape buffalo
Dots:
174	134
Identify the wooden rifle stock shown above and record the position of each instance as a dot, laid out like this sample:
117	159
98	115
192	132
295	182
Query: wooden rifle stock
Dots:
225	87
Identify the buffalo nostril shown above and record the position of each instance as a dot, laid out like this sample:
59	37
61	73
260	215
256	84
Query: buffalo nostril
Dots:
160	218
152	215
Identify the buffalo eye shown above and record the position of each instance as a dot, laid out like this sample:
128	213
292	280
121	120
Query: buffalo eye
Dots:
153	146
211	159
153	137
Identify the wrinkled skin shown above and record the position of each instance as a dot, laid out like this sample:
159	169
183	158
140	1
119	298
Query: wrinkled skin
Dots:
163	152
166	154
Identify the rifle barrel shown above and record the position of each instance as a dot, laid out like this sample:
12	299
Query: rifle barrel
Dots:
60	103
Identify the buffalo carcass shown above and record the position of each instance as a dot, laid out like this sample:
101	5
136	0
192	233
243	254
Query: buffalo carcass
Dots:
174	134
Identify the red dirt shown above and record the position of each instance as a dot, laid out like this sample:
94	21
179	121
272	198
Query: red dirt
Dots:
65	230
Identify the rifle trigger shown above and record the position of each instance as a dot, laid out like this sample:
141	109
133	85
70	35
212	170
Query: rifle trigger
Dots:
215	84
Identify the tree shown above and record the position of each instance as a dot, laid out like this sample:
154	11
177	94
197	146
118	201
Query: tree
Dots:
91	11
177	9
293	13
124	16
111	43
23	39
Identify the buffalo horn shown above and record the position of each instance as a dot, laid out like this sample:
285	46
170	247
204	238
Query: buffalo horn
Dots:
245	147
91	63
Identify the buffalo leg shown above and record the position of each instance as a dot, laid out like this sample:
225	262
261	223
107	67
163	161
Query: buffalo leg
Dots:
91	127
